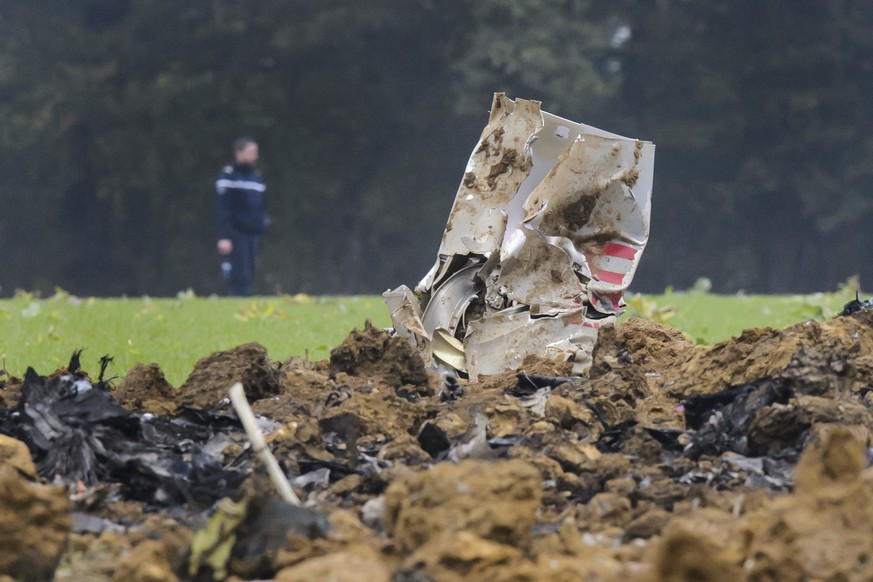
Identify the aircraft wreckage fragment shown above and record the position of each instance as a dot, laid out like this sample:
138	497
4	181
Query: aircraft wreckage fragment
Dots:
544	236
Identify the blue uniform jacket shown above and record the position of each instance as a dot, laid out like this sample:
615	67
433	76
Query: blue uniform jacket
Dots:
241	205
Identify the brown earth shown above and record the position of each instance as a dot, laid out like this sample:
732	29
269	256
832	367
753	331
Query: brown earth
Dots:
35	523
600	478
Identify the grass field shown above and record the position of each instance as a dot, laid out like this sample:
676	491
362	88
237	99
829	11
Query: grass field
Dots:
177	332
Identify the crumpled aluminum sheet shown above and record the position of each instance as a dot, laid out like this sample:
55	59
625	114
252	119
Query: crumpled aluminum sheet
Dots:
544	236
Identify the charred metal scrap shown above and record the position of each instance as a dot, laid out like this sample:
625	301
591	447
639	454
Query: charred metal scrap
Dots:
856	305
78	433
544	236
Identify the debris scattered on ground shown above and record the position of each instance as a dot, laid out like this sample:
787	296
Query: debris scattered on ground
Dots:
751	453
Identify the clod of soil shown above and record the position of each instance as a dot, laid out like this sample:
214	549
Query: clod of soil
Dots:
10	392
494	501
35	523
145	388
14	454
374	353
248	363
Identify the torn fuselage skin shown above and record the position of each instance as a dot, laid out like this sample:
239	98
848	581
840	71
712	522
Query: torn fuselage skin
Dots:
544	236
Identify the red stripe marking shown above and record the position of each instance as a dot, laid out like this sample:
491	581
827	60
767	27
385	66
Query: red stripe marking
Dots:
610	277
614	298
620	251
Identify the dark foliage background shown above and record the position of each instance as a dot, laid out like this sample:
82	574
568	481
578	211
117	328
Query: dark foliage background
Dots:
116	116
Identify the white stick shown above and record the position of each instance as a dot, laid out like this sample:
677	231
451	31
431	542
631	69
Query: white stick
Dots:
259	446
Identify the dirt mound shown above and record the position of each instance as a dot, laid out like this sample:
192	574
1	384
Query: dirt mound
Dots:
822	531
249	364
825	529
373	354
816	356
145	388
744	460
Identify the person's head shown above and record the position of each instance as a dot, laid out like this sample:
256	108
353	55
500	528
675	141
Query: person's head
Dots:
245	150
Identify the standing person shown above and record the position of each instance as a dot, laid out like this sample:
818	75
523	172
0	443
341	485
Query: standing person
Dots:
242	217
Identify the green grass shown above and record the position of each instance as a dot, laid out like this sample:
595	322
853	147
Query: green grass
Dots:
177	332
709	318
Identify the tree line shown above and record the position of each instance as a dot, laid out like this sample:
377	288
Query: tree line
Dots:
116	116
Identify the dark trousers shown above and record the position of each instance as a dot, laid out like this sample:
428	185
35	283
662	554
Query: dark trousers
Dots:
242	260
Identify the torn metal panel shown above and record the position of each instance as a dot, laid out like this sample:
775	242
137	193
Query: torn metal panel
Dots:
537	273
545	234
450	301
502	341
594	207
406	314
498	165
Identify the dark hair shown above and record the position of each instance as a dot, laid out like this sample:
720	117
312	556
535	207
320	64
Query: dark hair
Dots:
241	143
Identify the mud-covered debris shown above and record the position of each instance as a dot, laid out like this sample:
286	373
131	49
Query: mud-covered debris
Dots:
821	531
723	420
545	234
242	537
825	529
662	443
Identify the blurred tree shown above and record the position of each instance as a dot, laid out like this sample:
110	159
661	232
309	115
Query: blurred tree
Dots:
132	106
115	116
759	110
558	51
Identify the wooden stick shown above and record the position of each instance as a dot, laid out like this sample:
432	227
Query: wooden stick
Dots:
259	446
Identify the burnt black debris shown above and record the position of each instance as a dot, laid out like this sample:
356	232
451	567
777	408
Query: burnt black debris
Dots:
723	420
265	531
536	381
257	526
611	438
78	433
451	389
856	305
433	439
64	421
